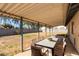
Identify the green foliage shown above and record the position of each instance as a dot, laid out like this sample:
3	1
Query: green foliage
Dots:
8	26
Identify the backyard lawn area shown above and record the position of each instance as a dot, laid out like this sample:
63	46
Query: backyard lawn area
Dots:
10	45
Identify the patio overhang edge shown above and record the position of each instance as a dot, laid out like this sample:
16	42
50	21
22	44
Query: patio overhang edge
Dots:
18	17
71	12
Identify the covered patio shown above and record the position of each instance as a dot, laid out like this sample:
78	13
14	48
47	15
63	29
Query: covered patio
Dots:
48	15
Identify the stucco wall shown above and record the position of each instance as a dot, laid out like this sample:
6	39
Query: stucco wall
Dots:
75	36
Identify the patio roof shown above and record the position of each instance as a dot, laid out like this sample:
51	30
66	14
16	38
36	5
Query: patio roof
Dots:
50	13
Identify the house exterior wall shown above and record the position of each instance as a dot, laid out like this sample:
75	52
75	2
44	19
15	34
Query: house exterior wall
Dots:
74	37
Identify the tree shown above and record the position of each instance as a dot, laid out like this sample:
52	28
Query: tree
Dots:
8	22
8	26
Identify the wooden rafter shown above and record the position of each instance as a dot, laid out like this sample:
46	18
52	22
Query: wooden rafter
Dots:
73	8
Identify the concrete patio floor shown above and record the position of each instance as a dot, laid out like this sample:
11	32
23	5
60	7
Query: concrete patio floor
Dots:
70	50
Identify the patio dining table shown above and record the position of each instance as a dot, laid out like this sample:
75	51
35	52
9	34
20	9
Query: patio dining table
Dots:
48	43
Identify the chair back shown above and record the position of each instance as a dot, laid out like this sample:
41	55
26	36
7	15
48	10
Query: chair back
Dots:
35	51
59	49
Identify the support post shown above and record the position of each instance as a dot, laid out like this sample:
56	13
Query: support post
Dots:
38	31
21	33
49	31
52	30
45	31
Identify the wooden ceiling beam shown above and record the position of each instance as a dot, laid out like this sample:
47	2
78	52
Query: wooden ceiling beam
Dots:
71	12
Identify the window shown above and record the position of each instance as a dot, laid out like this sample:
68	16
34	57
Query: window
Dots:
72	27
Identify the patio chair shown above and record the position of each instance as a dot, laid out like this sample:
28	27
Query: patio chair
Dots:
35	51
59	48
38	51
